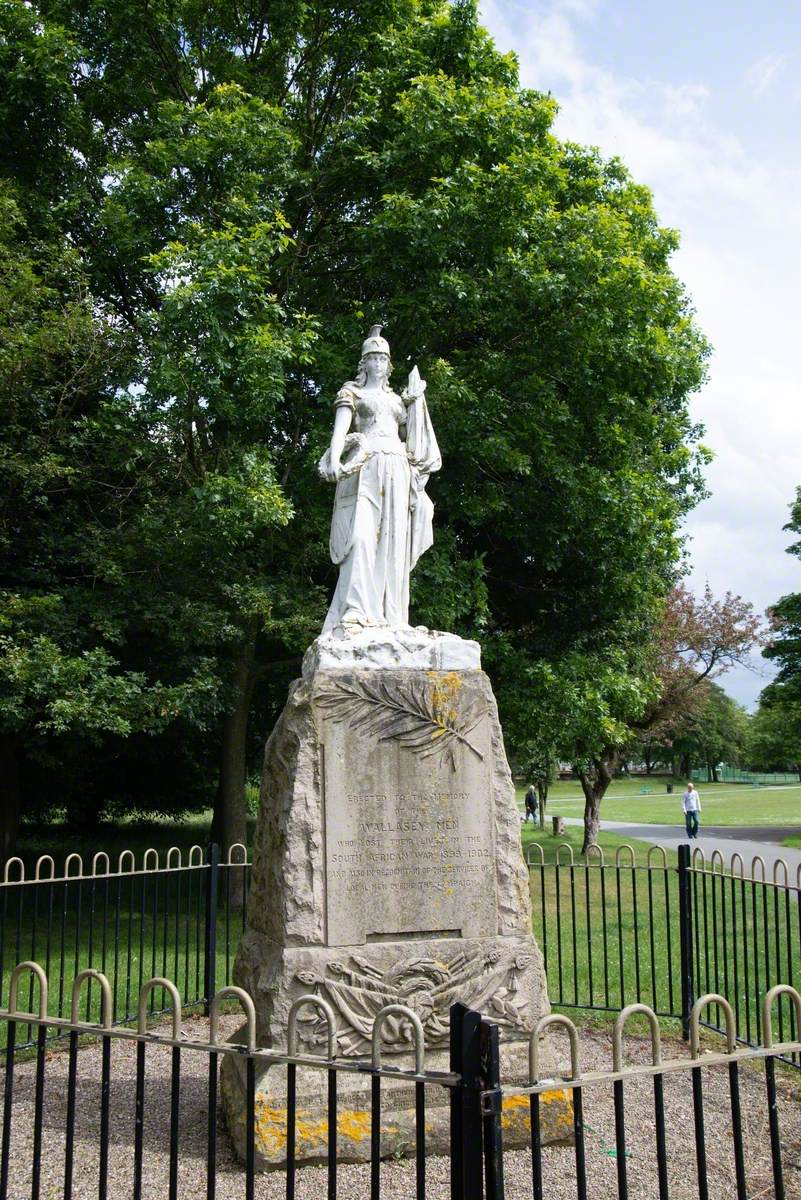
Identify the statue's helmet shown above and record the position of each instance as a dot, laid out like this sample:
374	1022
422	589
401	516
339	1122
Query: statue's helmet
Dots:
374	343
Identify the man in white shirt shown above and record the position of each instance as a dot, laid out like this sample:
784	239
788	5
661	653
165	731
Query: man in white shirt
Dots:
691	803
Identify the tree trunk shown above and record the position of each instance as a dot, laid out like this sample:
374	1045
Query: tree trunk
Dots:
685	766
648	762
10	794
592	813
594	785
229	825
542	797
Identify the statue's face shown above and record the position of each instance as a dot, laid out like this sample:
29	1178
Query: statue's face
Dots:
376	364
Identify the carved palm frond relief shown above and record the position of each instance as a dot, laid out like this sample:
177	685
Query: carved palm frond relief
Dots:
408	713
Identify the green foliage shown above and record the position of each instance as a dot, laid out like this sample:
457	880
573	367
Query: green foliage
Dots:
68	467
574	709
711	728
775	736
244	192
720	729
52	350
784	647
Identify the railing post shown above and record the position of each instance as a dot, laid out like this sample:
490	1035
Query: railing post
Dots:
491	1111
210	940
685	939
467	1182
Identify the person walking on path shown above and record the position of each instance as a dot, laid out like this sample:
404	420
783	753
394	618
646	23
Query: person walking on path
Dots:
691	803
531	803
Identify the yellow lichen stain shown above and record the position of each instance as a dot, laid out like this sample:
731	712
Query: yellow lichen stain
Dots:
560	1097
515	1109
270	1129
311	1134
444	697
354	1125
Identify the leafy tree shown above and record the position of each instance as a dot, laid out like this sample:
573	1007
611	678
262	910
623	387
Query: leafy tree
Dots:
721	730
212	357
64	448
653	750
248	191
775	738
784	646
713	729
666	685
774	733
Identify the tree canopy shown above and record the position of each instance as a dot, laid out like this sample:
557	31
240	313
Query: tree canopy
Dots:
775	738
241	193
784	646
594	709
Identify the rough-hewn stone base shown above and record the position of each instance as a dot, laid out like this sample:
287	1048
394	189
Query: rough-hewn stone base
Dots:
397	1112
387	871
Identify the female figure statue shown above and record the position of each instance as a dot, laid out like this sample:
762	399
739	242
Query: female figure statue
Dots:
382	520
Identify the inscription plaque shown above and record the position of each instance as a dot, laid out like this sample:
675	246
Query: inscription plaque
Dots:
409	839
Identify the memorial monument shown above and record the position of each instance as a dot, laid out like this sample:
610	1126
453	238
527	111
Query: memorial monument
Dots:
387	865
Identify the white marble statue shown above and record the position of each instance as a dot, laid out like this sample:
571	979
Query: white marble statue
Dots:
382	451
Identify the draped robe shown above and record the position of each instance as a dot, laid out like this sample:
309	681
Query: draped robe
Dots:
383	518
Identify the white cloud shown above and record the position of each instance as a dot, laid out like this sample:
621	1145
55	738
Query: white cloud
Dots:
765	71
686	163
740	220
686	99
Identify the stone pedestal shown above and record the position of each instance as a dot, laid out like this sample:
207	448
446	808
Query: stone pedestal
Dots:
387	867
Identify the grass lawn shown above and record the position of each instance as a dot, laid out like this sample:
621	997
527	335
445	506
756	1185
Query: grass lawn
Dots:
722	803
610	843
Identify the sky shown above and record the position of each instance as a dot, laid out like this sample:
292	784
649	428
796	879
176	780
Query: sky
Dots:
702	101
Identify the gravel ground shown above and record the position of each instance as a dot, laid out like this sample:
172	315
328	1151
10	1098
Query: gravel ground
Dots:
397	1178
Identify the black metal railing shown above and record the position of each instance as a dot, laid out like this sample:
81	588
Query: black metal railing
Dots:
613	931
132	1139
746	936
679	1159
622	931
180	915
126	1106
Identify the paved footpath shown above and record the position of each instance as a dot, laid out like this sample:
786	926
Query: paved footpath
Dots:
764	840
